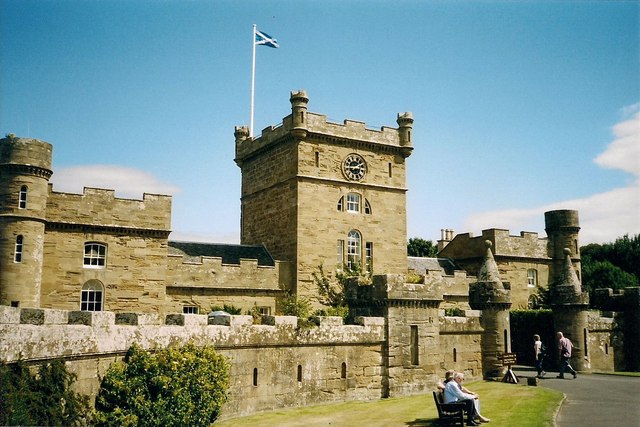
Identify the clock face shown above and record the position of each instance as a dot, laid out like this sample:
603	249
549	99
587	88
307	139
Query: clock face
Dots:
354	167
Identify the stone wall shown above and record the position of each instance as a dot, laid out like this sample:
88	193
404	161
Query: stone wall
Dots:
209	283
272	365
101	208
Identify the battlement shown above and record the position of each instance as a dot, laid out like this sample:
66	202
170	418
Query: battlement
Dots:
36	334
304	124
527	244
101	207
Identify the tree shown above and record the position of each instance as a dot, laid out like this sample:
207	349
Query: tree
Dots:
177	386
624	253
42	399
421	248
603	274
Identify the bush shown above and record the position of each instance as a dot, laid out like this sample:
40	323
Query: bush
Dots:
231	309
42	399
177	386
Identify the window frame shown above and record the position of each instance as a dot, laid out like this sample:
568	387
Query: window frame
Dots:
91	290
353	203
354	249
94	260
22	197
532	277
18	249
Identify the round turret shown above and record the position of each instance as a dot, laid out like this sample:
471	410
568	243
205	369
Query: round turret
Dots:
562	227
25	169
299	101
405	126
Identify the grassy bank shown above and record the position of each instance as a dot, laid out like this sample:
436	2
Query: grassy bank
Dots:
506	405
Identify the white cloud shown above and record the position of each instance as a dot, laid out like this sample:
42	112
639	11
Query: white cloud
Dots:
127	182
603	216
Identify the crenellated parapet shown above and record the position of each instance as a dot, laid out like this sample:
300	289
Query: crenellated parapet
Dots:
301	124
101	208
37	334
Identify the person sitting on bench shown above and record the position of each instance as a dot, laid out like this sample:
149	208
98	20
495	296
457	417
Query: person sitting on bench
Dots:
453	393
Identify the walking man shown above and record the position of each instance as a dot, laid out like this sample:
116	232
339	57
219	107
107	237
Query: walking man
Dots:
540	352
564	352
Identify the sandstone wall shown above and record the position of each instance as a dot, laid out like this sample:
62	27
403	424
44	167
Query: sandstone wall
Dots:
89	342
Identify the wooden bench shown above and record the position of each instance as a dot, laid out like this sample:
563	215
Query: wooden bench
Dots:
450	414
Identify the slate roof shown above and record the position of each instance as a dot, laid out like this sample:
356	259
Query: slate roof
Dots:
420	265
230	253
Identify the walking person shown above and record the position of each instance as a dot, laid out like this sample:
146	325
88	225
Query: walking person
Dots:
540	353
564	352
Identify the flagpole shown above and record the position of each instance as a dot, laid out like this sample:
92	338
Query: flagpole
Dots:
253	78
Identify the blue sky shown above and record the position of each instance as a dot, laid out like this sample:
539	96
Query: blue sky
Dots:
519	107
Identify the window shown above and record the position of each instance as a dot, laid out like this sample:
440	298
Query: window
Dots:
353	249
17	256
95	255
190	309
299	373
343	370
415	360
264	311
91	298
340	262
368	256
255	377
22	202
353	203
341	204
317	159
532	278
367	207
390	171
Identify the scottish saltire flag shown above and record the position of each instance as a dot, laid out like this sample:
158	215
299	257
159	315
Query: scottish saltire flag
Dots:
265	39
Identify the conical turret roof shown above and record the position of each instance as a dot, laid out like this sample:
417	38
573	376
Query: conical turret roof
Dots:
488	273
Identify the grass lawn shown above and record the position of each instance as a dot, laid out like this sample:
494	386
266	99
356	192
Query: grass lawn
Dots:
506	405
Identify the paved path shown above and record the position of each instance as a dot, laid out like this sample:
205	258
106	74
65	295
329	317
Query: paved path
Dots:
593	400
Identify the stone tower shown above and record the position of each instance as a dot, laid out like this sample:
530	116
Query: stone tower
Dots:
562	227
25	169
568	302
490	296
570	312
321	193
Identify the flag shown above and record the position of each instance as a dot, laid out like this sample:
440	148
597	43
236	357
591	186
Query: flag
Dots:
265	39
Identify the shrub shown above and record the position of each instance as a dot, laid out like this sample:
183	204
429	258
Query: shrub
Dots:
42	399
177	386
231	309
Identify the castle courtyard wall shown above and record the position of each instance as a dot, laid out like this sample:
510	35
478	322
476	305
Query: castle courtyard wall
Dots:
90	342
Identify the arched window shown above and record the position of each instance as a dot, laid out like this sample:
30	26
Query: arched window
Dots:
22	201
17	255
95	255
353	203
341	204
367	207
92	294
354	251
343	370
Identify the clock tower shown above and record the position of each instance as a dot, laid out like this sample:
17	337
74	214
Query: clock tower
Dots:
321	193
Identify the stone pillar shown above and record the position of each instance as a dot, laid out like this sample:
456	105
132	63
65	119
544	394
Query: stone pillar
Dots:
570	311
489	295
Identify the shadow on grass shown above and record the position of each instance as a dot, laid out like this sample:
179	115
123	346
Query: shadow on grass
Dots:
423	422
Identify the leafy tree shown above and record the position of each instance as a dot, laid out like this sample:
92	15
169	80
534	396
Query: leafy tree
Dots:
623	253
421	248
231	309
42	399
291	305
177	386
603	274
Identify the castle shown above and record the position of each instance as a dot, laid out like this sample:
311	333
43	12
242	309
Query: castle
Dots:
83	276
